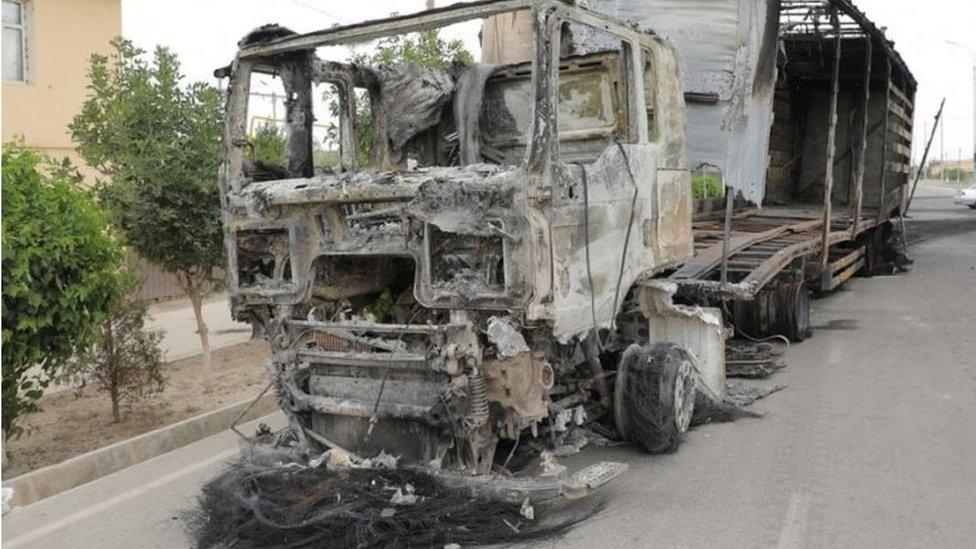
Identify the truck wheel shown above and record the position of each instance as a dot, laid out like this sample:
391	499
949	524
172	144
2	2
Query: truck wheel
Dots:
654	396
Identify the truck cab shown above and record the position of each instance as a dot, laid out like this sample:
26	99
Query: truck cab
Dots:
481	273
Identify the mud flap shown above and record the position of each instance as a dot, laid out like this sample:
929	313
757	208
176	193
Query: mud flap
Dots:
699	330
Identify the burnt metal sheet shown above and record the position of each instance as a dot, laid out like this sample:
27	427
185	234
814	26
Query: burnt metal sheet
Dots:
727	50
730	70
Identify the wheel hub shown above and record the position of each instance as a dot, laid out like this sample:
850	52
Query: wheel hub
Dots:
684	397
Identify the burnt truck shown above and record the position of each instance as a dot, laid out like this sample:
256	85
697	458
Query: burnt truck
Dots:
505	250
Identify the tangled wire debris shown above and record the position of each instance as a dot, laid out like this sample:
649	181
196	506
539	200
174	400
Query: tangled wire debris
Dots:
745	395
257	504
743	359
710	410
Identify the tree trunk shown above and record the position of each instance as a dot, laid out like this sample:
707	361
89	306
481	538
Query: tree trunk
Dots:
196	299
116	413
113	371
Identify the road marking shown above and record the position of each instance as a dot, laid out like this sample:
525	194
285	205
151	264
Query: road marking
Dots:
794	523
121	498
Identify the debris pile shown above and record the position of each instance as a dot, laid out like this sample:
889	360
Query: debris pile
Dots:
337	502
743	359
713	410
746	359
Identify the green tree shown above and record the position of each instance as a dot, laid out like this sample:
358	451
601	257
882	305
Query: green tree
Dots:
425	48
125	360
158	143
59	275
269	144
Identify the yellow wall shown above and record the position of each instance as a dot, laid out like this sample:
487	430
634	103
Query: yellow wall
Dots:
965	165
62	35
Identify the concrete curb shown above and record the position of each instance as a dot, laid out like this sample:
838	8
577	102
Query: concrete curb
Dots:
54	479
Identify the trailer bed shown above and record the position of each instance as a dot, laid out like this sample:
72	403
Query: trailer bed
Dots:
763	243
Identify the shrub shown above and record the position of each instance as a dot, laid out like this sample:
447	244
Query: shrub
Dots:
269	144
706	185
125	360
59	275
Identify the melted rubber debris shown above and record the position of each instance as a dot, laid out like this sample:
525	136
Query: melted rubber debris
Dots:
256	504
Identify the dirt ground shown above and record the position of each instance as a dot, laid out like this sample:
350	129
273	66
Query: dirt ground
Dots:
69	425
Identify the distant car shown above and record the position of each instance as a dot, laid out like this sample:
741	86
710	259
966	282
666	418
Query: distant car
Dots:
967	197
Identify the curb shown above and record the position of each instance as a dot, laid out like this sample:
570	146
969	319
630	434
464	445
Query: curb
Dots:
73	472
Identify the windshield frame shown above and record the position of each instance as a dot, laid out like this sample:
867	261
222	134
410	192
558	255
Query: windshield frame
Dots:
548	16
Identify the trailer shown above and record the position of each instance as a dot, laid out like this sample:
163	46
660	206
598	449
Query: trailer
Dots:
837	177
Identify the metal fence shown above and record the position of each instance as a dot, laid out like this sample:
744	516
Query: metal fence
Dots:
156	284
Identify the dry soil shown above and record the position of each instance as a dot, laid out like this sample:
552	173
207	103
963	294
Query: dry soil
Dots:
70	425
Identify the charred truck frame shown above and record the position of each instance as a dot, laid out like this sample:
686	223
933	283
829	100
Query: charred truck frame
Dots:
803	107
512	279
530	231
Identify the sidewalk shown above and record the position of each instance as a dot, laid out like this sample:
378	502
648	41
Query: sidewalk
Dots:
180	339
140	506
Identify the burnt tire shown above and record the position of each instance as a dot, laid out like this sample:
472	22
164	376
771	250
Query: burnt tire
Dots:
782	309
654	396
793	310
880	251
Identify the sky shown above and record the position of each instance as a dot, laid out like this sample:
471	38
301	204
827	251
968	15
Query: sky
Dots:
204	33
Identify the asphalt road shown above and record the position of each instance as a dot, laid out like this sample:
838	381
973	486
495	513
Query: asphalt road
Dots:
873	443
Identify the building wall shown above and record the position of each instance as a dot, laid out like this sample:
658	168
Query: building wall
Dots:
62	35
938	169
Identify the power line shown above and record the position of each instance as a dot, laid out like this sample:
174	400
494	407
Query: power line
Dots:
306	5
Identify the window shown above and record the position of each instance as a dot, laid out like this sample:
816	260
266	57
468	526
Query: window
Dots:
281	142
650	94
595	93
14	41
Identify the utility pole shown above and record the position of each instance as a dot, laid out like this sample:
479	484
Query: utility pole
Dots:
921	169
942	158
925	155
961	177
972	54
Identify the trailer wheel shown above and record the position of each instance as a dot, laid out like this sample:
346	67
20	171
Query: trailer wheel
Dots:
879	254
793	308
654	396
783	309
